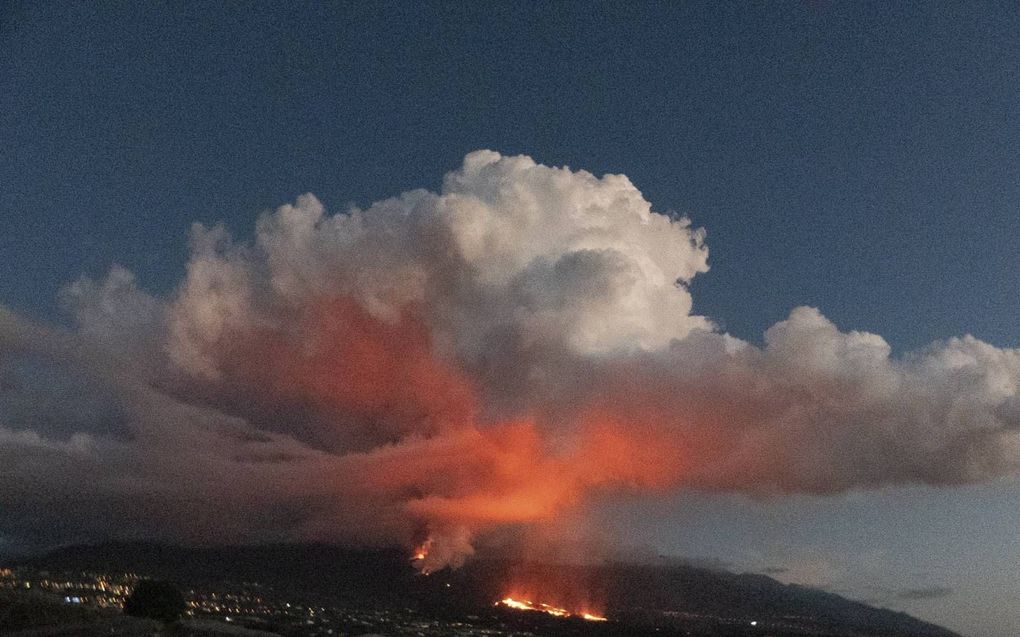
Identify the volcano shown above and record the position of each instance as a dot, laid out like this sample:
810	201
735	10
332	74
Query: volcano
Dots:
548	599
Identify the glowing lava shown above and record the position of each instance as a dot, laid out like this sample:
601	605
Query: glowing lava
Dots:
518	604
419	554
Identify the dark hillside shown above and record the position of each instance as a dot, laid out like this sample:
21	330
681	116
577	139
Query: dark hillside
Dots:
704	601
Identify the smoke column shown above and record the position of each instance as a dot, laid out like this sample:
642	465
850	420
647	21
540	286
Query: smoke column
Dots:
439	366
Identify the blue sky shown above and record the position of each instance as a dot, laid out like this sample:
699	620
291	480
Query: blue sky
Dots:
856	157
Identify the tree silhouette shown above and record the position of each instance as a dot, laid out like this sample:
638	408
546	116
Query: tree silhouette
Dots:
155	600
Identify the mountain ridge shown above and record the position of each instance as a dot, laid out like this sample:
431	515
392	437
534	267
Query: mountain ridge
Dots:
642	593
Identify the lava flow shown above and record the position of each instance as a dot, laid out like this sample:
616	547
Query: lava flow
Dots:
419	554
517	604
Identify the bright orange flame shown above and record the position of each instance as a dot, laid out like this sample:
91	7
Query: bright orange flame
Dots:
520	604
420	553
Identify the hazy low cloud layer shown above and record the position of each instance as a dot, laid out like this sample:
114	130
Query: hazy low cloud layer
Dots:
448	365
931	592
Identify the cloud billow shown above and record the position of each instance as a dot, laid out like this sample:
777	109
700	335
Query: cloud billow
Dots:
447	364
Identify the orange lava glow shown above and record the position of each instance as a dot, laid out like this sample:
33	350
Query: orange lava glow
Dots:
401	424
540	607
375	381
419	554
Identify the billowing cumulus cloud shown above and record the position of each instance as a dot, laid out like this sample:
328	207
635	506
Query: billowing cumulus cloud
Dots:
441	366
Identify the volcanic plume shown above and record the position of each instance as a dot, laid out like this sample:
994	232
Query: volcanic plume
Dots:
439	366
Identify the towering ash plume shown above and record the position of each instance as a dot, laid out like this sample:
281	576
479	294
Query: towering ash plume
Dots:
439	366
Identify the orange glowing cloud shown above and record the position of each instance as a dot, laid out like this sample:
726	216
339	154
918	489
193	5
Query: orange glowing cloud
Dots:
442	365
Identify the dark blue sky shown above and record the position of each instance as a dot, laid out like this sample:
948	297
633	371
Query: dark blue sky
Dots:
857	157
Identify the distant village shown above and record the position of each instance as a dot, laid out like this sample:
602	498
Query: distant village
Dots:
34	603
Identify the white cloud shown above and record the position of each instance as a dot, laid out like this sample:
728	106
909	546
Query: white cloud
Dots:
490	354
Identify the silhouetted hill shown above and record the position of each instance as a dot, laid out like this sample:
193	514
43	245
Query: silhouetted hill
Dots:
702	601
353	575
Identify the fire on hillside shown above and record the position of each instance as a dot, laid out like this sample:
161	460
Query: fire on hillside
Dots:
540	607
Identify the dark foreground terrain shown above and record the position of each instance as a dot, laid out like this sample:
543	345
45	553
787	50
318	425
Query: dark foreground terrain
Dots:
310	590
